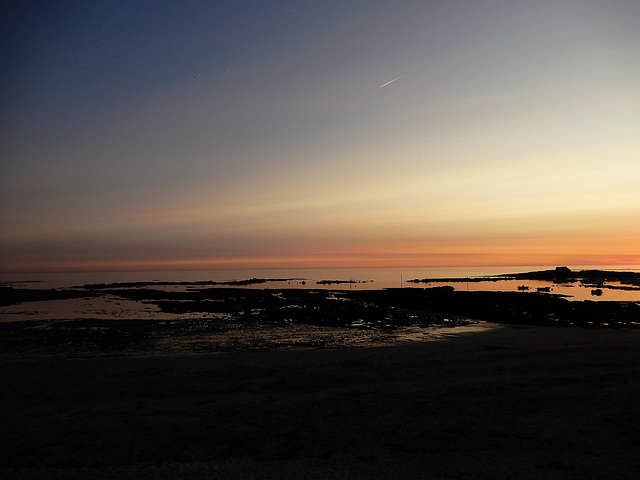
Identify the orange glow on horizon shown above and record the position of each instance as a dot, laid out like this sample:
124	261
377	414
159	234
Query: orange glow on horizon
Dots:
501	143
407	260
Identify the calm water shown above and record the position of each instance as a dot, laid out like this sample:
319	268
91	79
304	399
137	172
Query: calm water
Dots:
112	307
366	278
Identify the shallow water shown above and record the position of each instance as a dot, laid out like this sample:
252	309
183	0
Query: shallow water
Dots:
372	278
108	307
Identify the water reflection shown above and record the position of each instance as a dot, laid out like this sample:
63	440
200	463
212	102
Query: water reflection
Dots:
573	291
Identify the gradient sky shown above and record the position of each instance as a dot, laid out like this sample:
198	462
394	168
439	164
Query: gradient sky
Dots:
210	134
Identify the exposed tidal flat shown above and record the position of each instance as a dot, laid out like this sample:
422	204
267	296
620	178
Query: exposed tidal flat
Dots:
159	317
236	382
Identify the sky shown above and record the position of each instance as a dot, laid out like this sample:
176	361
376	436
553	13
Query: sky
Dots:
142	135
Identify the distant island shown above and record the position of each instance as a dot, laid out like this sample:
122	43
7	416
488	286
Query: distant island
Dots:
630	280
341	282
207	308
200	283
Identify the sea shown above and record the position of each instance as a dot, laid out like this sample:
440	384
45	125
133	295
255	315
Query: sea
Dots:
317	278
87	326
334	278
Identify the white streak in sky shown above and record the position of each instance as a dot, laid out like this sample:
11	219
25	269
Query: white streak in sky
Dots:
391	81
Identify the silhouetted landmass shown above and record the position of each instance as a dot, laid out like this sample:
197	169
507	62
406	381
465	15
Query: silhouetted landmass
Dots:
383	308
564	274
379	309
522	308
557	275
12	296
554	402
340	282
216	309
494	278
249	281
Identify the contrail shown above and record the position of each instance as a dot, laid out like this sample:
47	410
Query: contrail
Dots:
391	81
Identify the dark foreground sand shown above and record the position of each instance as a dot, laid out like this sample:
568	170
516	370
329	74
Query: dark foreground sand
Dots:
517	403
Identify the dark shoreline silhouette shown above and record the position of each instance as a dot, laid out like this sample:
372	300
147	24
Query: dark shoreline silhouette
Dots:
371	308
12	296
341	282
210	310
89	398
249	281
558	275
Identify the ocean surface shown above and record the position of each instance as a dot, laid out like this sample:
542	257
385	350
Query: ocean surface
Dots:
356	278
336	279
193	330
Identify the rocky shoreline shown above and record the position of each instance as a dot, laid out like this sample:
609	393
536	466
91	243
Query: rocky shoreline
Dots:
304	383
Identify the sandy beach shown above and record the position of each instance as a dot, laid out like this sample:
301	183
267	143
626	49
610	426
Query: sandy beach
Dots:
513	402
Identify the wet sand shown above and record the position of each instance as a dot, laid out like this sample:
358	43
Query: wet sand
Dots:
515	402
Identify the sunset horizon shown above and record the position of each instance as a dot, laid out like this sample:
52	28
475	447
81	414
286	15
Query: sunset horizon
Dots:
320	239
330	263
296	135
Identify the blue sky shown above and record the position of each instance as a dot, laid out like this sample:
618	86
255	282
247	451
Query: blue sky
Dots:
158	134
